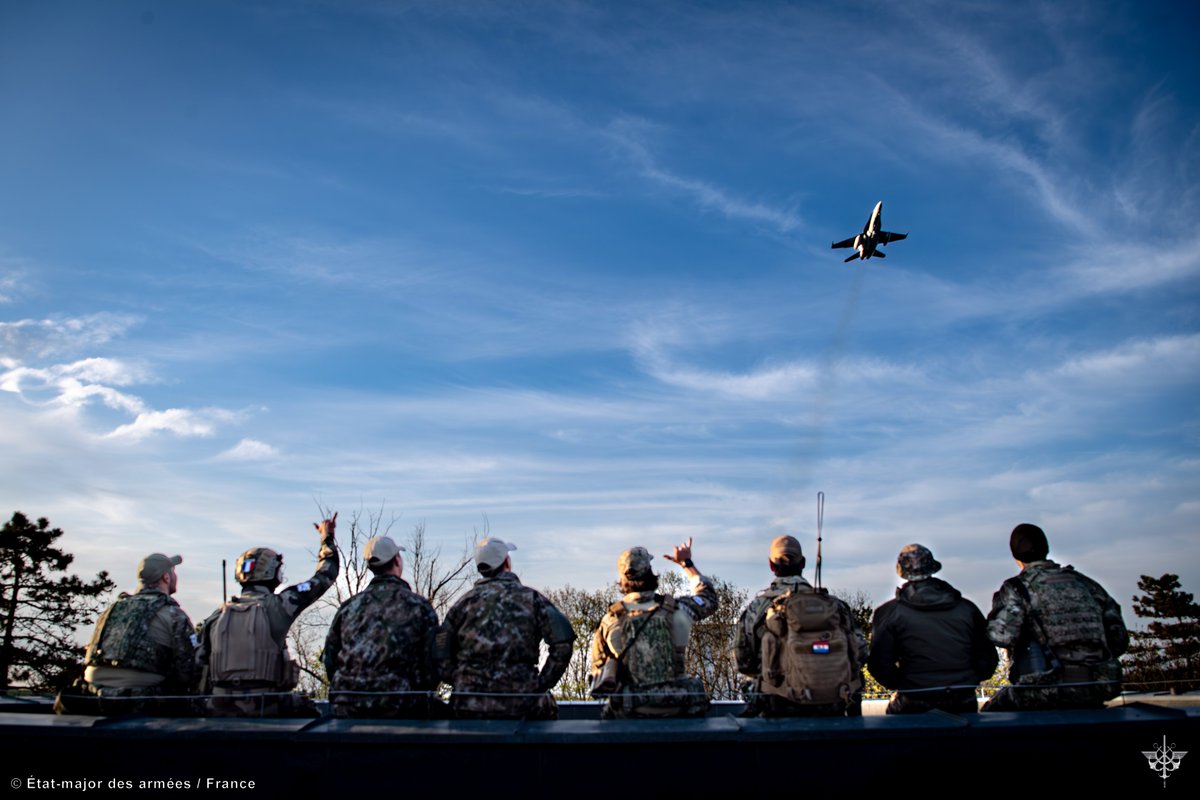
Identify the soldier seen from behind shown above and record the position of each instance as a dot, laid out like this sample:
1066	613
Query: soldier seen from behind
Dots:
142	657
638	652
379	650
243	645
488	647
930	644
800	646
1064	633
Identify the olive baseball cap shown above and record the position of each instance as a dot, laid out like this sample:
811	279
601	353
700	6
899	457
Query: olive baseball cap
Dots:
154	566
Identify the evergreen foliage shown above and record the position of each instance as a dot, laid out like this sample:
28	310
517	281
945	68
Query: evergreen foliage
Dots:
39	612
1166	654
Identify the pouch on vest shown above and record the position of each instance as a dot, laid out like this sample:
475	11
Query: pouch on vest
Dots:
243	650
805	650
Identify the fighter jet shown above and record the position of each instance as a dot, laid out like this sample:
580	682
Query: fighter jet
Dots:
870	238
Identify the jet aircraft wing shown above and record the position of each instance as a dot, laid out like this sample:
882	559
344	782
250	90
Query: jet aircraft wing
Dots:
847	243
885	237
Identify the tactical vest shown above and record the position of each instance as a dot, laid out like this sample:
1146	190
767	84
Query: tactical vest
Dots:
243	652
806	651
650	655
122	638
1068	616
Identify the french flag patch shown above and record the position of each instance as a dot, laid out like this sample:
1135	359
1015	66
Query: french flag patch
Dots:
820	647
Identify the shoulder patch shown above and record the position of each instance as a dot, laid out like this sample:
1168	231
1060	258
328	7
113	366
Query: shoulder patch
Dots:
698	601
303	587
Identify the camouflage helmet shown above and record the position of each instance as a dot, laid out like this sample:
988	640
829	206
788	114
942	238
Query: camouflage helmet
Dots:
259	565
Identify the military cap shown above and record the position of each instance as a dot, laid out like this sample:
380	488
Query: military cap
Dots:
634	562
786	550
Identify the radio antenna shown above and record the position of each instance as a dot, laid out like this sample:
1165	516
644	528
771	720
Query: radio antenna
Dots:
820	524
224	583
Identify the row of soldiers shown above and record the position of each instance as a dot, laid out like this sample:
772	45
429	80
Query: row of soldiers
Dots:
799	646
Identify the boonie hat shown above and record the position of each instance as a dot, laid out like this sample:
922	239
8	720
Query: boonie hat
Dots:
916	562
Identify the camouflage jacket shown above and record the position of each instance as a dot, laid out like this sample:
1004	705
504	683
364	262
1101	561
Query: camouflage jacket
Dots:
143	640
751	625
381	640
490	642
609	640
1074	616
282	607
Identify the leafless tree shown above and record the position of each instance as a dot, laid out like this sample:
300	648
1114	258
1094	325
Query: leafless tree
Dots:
584	608
431	575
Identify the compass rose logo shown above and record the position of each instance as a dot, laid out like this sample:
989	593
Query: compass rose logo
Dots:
1164	760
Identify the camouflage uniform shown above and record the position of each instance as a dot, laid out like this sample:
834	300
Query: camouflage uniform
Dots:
677	694
282	609
143	648
1053	614
489	643
748	649
382	641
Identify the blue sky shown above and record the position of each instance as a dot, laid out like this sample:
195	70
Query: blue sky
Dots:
566	266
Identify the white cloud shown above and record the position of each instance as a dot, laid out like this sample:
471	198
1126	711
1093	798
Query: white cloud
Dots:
249	450
179	421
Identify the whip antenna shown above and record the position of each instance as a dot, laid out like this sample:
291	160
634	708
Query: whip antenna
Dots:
820	523
224	585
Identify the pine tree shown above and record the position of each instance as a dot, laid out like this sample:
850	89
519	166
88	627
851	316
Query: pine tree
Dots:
38	611
1167	653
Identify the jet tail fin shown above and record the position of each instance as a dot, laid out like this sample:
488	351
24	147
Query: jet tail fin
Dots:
878	254
851	258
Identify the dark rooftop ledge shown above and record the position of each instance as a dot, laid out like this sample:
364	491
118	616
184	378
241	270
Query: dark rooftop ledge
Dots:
594	758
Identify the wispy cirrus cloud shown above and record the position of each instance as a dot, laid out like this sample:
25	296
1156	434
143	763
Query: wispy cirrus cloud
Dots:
629	135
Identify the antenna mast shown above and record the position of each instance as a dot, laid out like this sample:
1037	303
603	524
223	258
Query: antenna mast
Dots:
820	523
